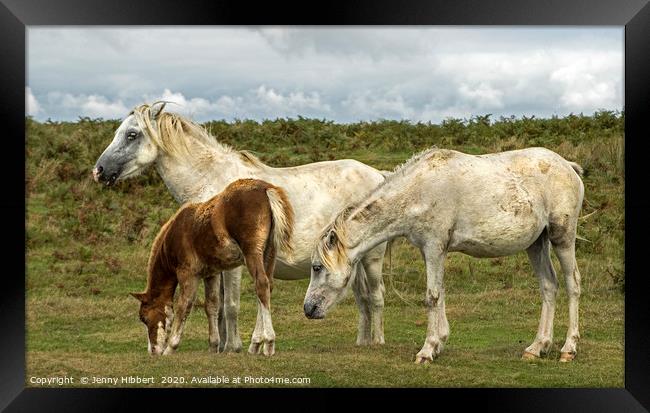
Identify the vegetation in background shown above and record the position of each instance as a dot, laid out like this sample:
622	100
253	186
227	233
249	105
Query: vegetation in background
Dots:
87	247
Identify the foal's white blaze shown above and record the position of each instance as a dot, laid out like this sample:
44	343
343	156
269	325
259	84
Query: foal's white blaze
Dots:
146	330
161	336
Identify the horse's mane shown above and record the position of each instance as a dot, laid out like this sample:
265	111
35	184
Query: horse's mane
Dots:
332	255
176	135
403	168
412	160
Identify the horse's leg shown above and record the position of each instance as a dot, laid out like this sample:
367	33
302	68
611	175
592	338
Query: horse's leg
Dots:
263	289
362	298
540	259
268	333
442	321
269	267
372	263
189	285
437	328
562	233
258	346
232	284
212	305
221	316
566	255
256	339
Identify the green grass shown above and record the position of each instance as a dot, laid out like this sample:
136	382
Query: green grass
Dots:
87	248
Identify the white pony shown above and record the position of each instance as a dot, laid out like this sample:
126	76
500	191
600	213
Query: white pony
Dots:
195	167
484	206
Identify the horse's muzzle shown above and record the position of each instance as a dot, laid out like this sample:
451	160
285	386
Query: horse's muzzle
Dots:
97	173
100	176
313	311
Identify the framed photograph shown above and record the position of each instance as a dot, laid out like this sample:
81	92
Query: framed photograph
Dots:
416	198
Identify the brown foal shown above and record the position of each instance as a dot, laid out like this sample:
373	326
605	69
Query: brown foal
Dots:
246	223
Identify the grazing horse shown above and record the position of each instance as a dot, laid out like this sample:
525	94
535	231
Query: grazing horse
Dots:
484	206
195	167
246	223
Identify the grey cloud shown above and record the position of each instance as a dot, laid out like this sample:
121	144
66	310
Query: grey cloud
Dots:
344	74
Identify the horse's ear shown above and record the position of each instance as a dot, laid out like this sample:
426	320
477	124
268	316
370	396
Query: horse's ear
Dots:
331	239
156	109
140	296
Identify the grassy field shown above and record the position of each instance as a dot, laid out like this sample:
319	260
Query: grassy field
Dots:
87	248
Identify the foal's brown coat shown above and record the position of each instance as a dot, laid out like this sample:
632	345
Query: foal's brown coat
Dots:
246	223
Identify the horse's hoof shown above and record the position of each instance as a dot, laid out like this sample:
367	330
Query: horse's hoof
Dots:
232	348
423	359
269	348
529	356
378	341
254	348
565	357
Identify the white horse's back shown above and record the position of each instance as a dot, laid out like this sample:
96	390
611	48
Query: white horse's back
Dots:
491	205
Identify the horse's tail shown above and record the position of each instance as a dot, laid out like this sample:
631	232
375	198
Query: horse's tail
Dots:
577	168
283	220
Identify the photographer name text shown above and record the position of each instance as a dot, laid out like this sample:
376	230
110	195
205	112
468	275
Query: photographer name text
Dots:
166	380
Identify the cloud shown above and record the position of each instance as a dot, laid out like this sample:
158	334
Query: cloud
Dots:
291	104
94	106
344	74
589	82
482	96
530	82
369	42
367	105
194	106
101	107
254	103
33	107
259	102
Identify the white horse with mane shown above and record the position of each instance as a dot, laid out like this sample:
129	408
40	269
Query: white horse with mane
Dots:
484	206
195	167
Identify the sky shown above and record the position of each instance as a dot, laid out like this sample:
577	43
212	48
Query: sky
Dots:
345	74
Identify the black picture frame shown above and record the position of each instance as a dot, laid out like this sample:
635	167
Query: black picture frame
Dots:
15	15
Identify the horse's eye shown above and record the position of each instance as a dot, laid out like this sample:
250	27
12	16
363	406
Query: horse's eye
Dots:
317	268
131	135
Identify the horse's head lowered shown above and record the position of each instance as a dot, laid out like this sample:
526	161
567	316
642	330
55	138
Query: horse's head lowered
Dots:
132	148
331	274
157	317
